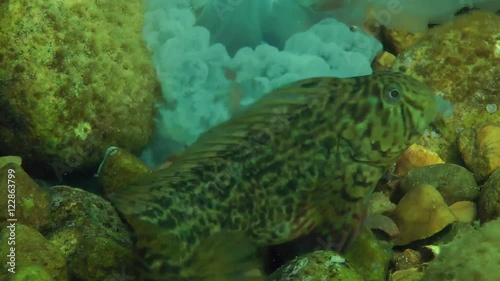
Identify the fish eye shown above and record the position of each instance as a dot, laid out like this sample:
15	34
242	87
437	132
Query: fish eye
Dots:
393	94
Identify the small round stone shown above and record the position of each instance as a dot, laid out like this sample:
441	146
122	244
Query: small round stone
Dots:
491	108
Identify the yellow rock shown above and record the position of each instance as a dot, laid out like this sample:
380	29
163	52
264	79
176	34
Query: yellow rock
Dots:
421	213
488	141
384	61
480	149
465	211
416	156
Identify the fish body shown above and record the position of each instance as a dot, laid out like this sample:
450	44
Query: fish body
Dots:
304	157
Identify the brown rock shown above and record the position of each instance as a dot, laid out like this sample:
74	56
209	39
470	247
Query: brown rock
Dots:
481	149
416	156
383	61
420	214
407	259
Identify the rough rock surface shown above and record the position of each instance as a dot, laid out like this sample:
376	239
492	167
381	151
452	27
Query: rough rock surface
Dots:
75	78
460	61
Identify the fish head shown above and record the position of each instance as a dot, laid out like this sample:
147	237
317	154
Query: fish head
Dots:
387	113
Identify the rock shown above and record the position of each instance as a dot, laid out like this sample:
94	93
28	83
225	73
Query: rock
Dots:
472	257
420	214
411	274
407	259
383	61
481	149
32	272
4	160
400	40
67	240
380	203
416	156
489	199
379	206
430	252
319	265
383	223
369	257
34	255
453	232
465	211
118	169
75	77
454	183
32	203
459	61
99	259
89	232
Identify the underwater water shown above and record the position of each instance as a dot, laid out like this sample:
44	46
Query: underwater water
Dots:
250	140
218	71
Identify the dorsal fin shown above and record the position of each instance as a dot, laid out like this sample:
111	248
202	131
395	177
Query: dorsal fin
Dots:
284	102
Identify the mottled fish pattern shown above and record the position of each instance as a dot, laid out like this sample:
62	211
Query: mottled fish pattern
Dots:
304	157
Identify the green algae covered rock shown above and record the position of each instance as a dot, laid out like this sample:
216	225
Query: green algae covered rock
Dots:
32	272
460	61
32	203
98	258
370	257
455	183
118	169
320	265
474	256
4	160
489	199
75	78
67	239
33	255
90	234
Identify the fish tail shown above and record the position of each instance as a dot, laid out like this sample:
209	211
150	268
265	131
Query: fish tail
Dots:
225	256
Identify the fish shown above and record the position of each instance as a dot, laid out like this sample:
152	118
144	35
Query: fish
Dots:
303	159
